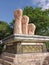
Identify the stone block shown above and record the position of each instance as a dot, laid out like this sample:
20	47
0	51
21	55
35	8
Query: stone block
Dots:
31	29
18	17
25	20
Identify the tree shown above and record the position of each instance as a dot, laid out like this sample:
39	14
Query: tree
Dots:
12	25
40	18
5	29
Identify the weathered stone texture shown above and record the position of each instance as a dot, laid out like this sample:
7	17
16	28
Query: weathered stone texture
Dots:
21	24
31	29
30	59
18	17
25	20
22	27
19	48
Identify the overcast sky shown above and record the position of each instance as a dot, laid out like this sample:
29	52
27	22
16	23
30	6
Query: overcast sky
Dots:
7	7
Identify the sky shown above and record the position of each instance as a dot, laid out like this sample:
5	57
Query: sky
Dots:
7	7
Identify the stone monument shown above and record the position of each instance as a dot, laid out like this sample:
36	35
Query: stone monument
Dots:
23	47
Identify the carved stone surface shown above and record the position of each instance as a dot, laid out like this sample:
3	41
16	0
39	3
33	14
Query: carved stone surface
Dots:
31	29
22	27
18	13
25	59
30	59
46	61
25	20
18	17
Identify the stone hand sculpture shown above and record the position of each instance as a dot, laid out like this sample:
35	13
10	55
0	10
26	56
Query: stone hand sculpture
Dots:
18	17
21	24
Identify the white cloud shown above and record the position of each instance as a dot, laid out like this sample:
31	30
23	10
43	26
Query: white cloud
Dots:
41	3
46	6
34	2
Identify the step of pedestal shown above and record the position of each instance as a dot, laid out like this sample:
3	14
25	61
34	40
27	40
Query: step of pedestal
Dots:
8	54
7	58
4	62
10	59
1	61
7	63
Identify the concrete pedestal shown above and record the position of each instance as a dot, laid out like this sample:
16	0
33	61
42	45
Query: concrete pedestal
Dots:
19	48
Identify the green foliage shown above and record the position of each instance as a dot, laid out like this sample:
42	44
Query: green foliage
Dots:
40	18
1	47
47	45
12	25
5	29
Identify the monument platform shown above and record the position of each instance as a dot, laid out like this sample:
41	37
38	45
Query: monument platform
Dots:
26	38
23	47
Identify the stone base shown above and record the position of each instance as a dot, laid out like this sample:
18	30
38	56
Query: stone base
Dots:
16	55
31	59
13	48
19	47
24	59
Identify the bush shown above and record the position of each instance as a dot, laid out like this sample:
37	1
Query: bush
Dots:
1	48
